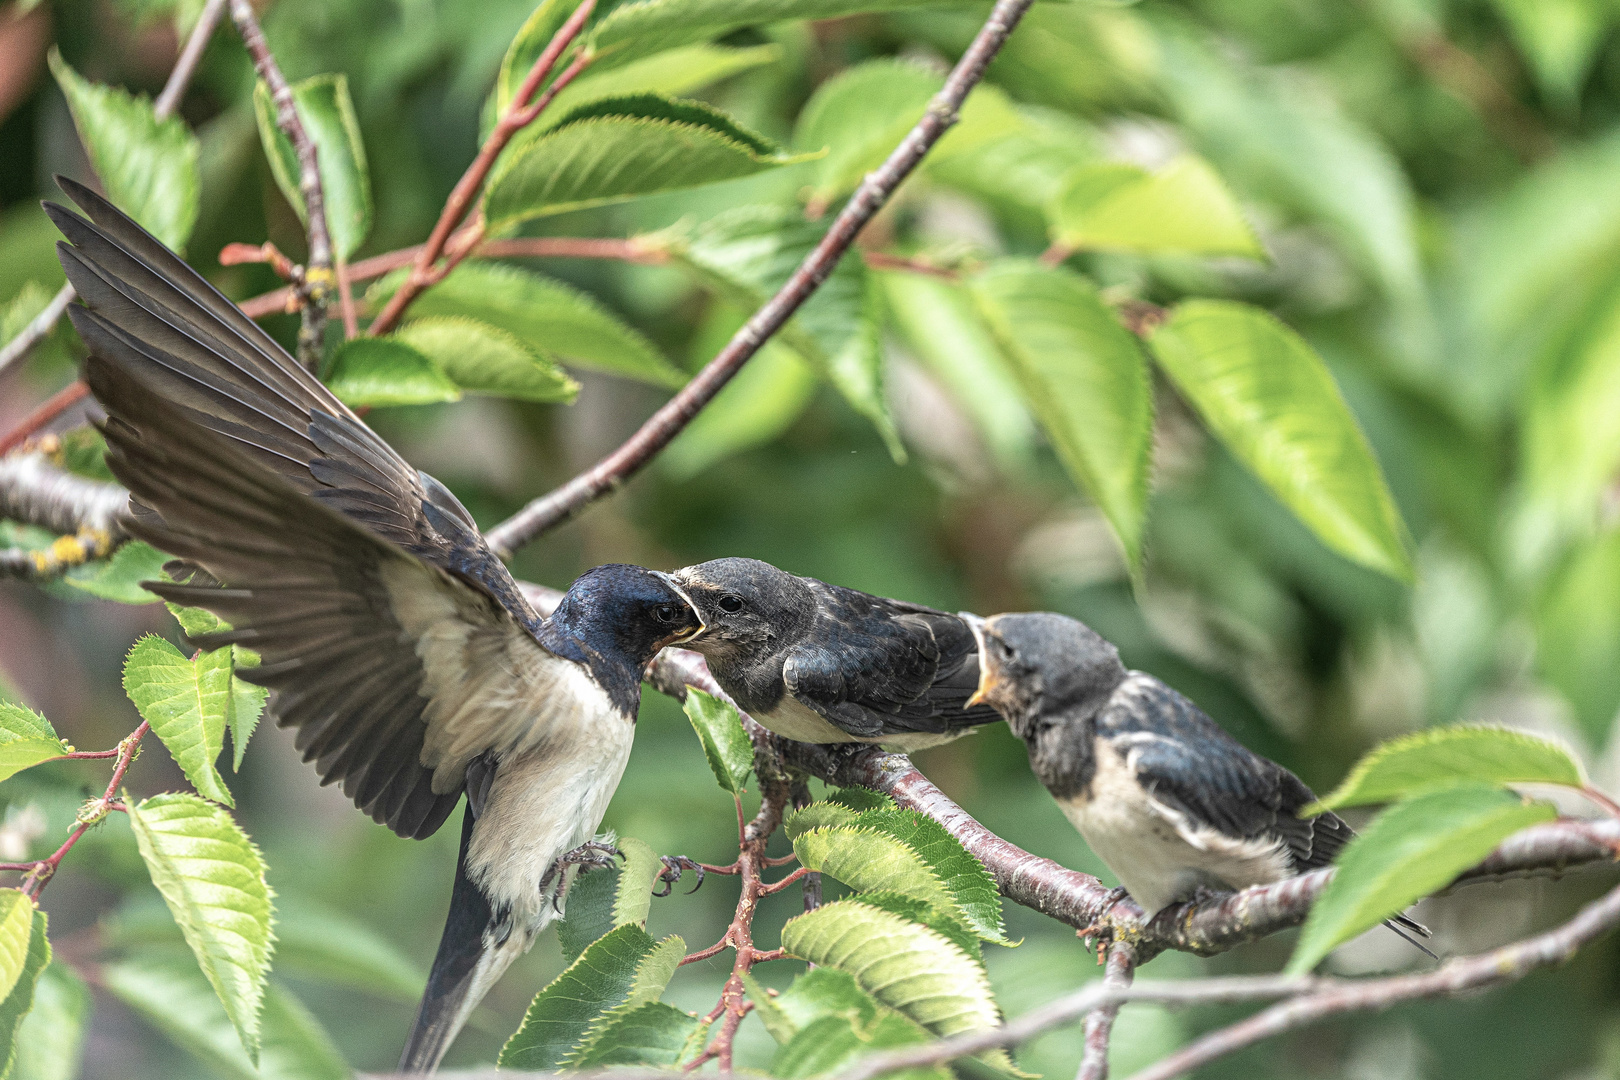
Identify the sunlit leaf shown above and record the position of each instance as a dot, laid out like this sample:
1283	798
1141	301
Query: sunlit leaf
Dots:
1084	378
386	371
1014	157
50	1041
186	702
327	114
726	745
550	317
619	148
1409	851
26	738
212	877
246	704
858	116
757	405
1183	207
1577	621
16	928
119	578
647	26
169	993
147	166
1267	395
634	897
970	885
1442	757
818	815
482	359
671	72
830	1043
33	954
1560	38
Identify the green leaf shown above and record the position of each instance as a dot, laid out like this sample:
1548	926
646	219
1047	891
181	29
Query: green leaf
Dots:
971	887
1444	757
1184	206
550	317
26	739
944	330
1560	38
859	116
652	1034
16	928
168	992
650	25
725	744
760	403
195	621
946	920
147	167
1016	158
776	1022
821	992
386	371
619	148
119	578
616	974
186	702
327	114
818	815
1084	378
1409	851
671	72
906	966
212	877
749	253
50	1041
246	704
21	309
527	45
1577	620
34	953
829	1044
1267	395
633	899
481	359
591	903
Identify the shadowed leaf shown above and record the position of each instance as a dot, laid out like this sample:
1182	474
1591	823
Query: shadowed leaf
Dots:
34	953
328	117
858	116
725	744
50	1042
482	359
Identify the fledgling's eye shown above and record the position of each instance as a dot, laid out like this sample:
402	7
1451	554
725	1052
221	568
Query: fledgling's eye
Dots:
731	604
665	613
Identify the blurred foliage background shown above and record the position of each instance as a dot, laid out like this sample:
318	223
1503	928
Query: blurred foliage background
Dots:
1435	182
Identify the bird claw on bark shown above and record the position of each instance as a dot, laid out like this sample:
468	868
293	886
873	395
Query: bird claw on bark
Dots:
674	866
1101	929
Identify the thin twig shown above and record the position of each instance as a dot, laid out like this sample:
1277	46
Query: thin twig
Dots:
185	66
54	406
317	283
612	471
519	113
1100	1022
883	260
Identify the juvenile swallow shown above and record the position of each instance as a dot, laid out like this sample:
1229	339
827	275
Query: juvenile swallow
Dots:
1171	803
393	640
824	664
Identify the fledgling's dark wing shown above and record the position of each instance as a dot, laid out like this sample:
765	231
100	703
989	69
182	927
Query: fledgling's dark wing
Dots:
391	643
1208	780
877	667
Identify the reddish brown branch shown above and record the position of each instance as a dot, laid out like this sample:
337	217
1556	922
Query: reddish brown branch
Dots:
612	471
519	113
315	284
54	406
882	260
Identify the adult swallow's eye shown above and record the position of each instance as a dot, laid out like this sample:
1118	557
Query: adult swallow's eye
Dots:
731	604
665	613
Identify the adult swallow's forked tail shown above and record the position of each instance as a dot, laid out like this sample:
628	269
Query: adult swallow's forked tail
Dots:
393	640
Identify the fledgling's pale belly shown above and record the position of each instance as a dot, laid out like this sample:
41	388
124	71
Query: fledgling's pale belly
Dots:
793	719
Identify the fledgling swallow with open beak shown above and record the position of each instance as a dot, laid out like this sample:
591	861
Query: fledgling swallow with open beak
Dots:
392	638
824	664
1165	797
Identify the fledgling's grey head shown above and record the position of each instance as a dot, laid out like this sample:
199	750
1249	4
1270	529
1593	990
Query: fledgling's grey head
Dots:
1036	665
748	607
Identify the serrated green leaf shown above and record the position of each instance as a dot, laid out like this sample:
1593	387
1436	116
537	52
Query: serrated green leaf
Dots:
147	166
944	330
212	877
1266	394
649	26
903	964
651	1034
946	920
84	453
246	704
726	745
33	956
620	971
818	815
633	899
119	578
186	702
1444	757
777	1022
670	72
50	1041
591	903
16	928
482	359
748	253
860	799
386	371
1409	851
195	621
858	116
327	114
619	148
827	1045
169	993
822	992
1085	380
550	317
867	859
1184	207
26	739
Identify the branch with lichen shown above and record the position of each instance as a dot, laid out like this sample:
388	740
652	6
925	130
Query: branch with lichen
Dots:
34	491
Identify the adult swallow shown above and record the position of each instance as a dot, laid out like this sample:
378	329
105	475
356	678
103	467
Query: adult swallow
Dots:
824	664
394	641
1167	799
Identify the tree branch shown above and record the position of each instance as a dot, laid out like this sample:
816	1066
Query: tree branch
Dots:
185	66
316	282
612	471
1100	1021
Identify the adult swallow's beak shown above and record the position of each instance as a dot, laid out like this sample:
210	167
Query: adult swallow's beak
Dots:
987	678
703	625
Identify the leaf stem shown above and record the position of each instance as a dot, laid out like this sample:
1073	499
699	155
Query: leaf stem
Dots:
39	873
